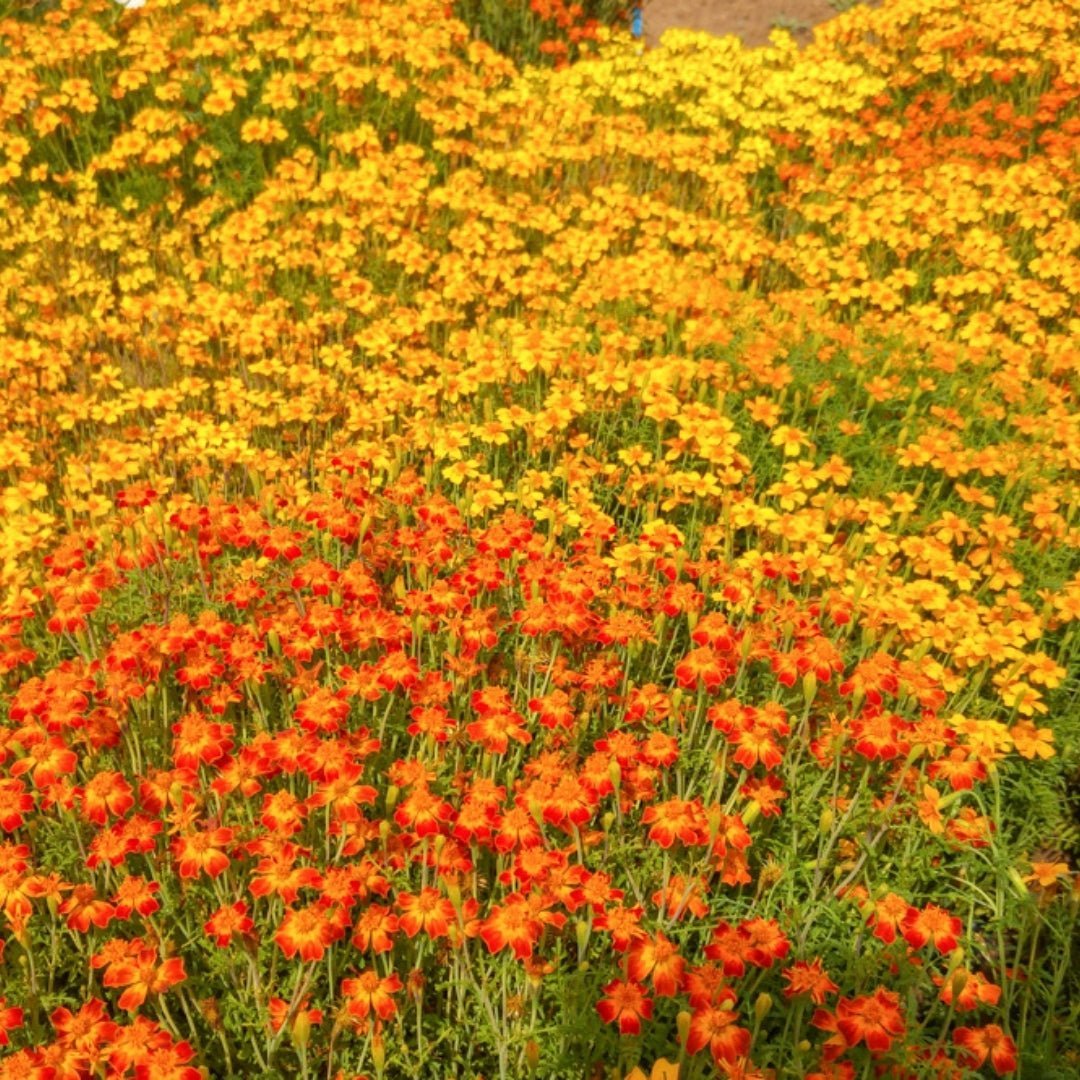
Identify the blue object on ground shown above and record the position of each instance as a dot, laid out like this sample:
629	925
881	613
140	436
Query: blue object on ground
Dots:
637	27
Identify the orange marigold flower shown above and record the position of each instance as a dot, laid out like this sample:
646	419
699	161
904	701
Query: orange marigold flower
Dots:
136	894
515	924
200	852
429	911
715	1025
660	959
375	929
768	943
423	812
11	1019
15	803
303	1018
278	874
626	1004
107	793
83	907
704	665
683	897
875	1019
47	761
934	924
810	979
991	1042
968	989
622	923
959	769
88	1028
730	946
371	993
227	922
494	730
309	931
1031	742
888	915
676	819
144	976
1046	875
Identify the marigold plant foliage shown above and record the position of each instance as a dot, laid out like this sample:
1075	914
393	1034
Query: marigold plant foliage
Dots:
562	571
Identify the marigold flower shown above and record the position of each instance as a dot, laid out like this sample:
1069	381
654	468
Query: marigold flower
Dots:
809	978
371	993
932	924
715	1026
991	1042
11	1019
428	911
227	922
659	959
144	976
309	931
625	1004
875	1019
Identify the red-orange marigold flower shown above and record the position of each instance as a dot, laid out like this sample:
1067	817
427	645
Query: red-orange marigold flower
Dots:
202	851
934	924
429	911
144	976
714	1025
309	931
875	1019
370	993
676	819
626	1004
810	979
990	1041
514	924
228	921
11	1019
659	958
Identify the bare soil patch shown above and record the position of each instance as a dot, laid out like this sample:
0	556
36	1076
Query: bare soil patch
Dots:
751	20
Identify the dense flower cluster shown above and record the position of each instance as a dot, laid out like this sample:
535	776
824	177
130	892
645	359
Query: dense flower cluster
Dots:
506	571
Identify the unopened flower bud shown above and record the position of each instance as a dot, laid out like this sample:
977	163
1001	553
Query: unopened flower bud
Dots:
581	932
682	1024
301	1029
532	1055
1018	882
615	775
762	1006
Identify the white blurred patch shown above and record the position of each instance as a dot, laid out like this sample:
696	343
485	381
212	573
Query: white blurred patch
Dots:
131	3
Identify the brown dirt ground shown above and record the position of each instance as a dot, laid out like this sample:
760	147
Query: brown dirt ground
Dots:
750	20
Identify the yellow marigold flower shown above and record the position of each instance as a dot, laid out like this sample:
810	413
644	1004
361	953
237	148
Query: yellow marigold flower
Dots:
263	129
1031	741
